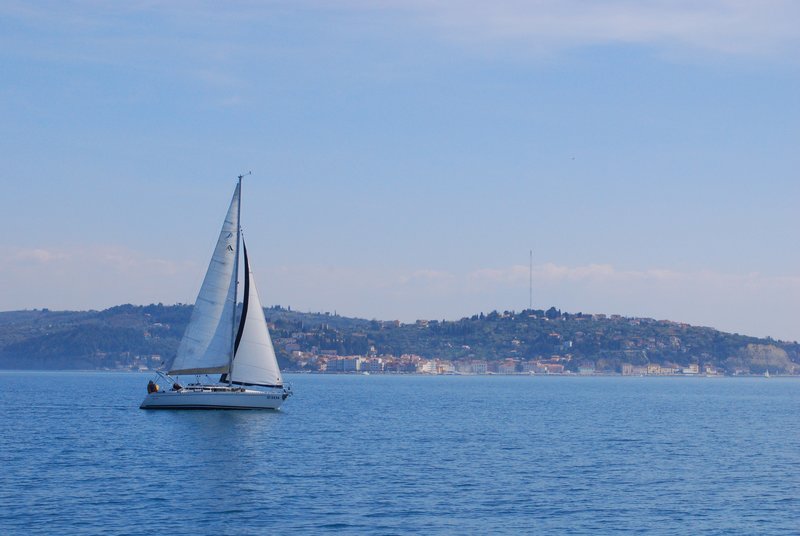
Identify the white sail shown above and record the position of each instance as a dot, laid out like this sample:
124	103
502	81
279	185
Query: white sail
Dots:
254	362
207	343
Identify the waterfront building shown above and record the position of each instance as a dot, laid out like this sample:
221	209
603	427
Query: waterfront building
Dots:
463	367
374	364
694	368
479	367
445	367
553	368
509	366
344	364
427	367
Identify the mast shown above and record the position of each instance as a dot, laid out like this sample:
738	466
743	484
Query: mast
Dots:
236	272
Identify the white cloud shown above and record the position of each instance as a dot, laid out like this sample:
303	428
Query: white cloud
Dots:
738	27
38	255
92	276
720	26
426	276
605	273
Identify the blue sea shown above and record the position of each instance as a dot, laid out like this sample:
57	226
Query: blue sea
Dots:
405	454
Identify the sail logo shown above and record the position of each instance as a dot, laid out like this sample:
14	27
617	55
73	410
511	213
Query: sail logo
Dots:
229	249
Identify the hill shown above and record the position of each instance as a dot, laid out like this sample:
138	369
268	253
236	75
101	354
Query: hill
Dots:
130	337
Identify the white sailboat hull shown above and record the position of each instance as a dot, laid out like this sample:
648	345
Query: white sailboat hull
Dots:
214	398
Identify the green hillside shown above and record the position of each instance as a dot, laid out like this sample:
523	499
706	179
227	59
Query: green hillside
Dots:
129	336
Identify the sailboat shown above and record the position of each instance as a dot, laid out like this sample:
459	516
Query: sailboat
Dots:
214	343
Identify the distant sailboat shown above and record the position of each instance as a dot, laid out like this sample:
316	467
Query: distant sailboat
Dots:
212	344
766	374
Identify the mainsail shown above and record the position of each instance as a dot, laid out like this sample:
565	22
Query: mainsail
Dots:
254	362
208	341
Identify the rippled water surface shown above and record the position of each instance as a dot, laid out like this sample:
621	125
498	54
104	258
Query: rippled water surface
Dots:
394	455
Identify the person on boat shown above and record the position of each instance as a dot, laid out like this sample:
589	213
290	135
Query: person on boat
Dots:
152	387
176	386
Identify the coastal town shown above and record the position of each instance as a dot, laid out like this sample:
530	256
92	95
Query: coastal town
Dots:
329	363
414	364
559	361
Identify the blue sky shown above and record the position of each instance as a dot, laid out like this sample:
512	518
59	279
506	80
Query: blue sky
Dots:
408	155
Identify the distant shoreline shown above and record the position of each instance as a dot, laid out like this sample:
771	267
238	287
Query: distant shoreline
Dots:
395	374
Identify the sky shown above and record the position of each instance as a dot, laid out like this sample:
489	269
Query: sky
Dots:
407	156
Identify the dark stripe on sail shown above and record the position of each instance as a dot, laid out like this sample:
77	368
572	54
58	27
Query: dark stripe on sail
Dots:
224	377
246	300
